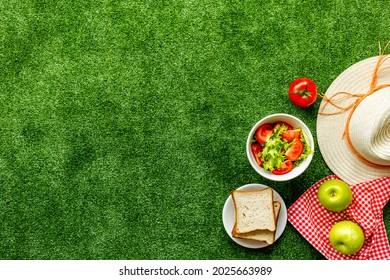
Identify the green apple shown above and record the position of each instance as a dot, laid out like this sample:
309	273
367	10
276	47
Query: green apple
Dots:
347	237
335	195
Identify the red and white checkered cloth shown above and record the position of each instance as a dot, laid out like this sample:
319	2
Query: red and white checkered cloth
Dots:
314	222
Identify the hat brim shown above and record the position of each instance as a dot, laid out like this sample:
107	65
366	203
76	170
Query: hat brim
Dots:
330	128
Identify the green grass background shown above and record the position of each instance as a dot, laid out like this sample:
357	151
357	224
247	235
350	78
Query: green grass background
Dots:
123	123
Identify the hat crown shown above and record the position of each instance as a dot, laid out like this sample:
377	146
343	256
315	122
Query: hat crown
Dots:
369	128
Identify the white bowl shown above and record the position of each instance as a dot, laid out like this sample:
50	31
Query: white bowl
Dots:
295	122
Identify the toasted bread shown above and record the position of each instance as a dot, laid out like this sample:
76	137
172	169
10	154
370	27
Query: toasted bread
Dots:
254	210
261	234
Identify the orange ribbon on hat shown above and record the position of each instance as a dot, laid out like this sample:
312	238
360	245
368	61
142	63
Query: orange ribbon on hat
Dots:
353	105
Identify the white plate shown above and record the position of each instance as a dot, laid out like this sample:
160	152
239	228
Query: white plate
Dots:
229	216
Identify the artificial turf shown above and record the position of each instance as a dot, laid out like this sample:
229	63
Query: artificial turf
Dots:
123	123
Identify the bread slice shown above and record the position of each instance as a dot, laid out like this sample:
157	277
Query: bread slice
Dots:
254	210
261	234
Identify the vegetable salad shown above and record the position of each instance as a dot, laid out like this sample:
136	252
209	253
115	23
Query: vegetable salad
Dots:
278	147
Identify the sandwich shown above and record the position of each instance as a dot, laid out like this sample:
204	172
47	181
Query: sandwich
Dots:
256	214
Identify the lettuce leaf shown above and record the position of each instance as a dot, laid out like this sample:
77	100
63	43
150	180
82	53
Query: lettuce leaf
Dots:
274	150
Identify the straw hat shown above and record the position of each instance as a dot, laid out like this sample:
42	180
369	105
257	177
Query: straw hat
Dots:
363	153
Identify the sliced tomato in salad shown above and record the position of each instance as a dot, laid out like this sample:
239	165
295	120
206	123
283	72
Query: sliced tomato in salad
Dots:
284	168
256	149
295	151
291	134
264	132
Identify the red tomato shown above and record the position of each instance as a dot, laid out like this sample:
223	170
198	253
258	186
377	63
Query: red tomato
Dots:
291	134
264	132
284	123
295	151
303	92
286	167
256	149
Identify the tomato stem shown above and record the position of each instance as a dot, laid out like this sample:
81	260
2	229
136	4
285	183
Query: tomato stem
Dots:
303	92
